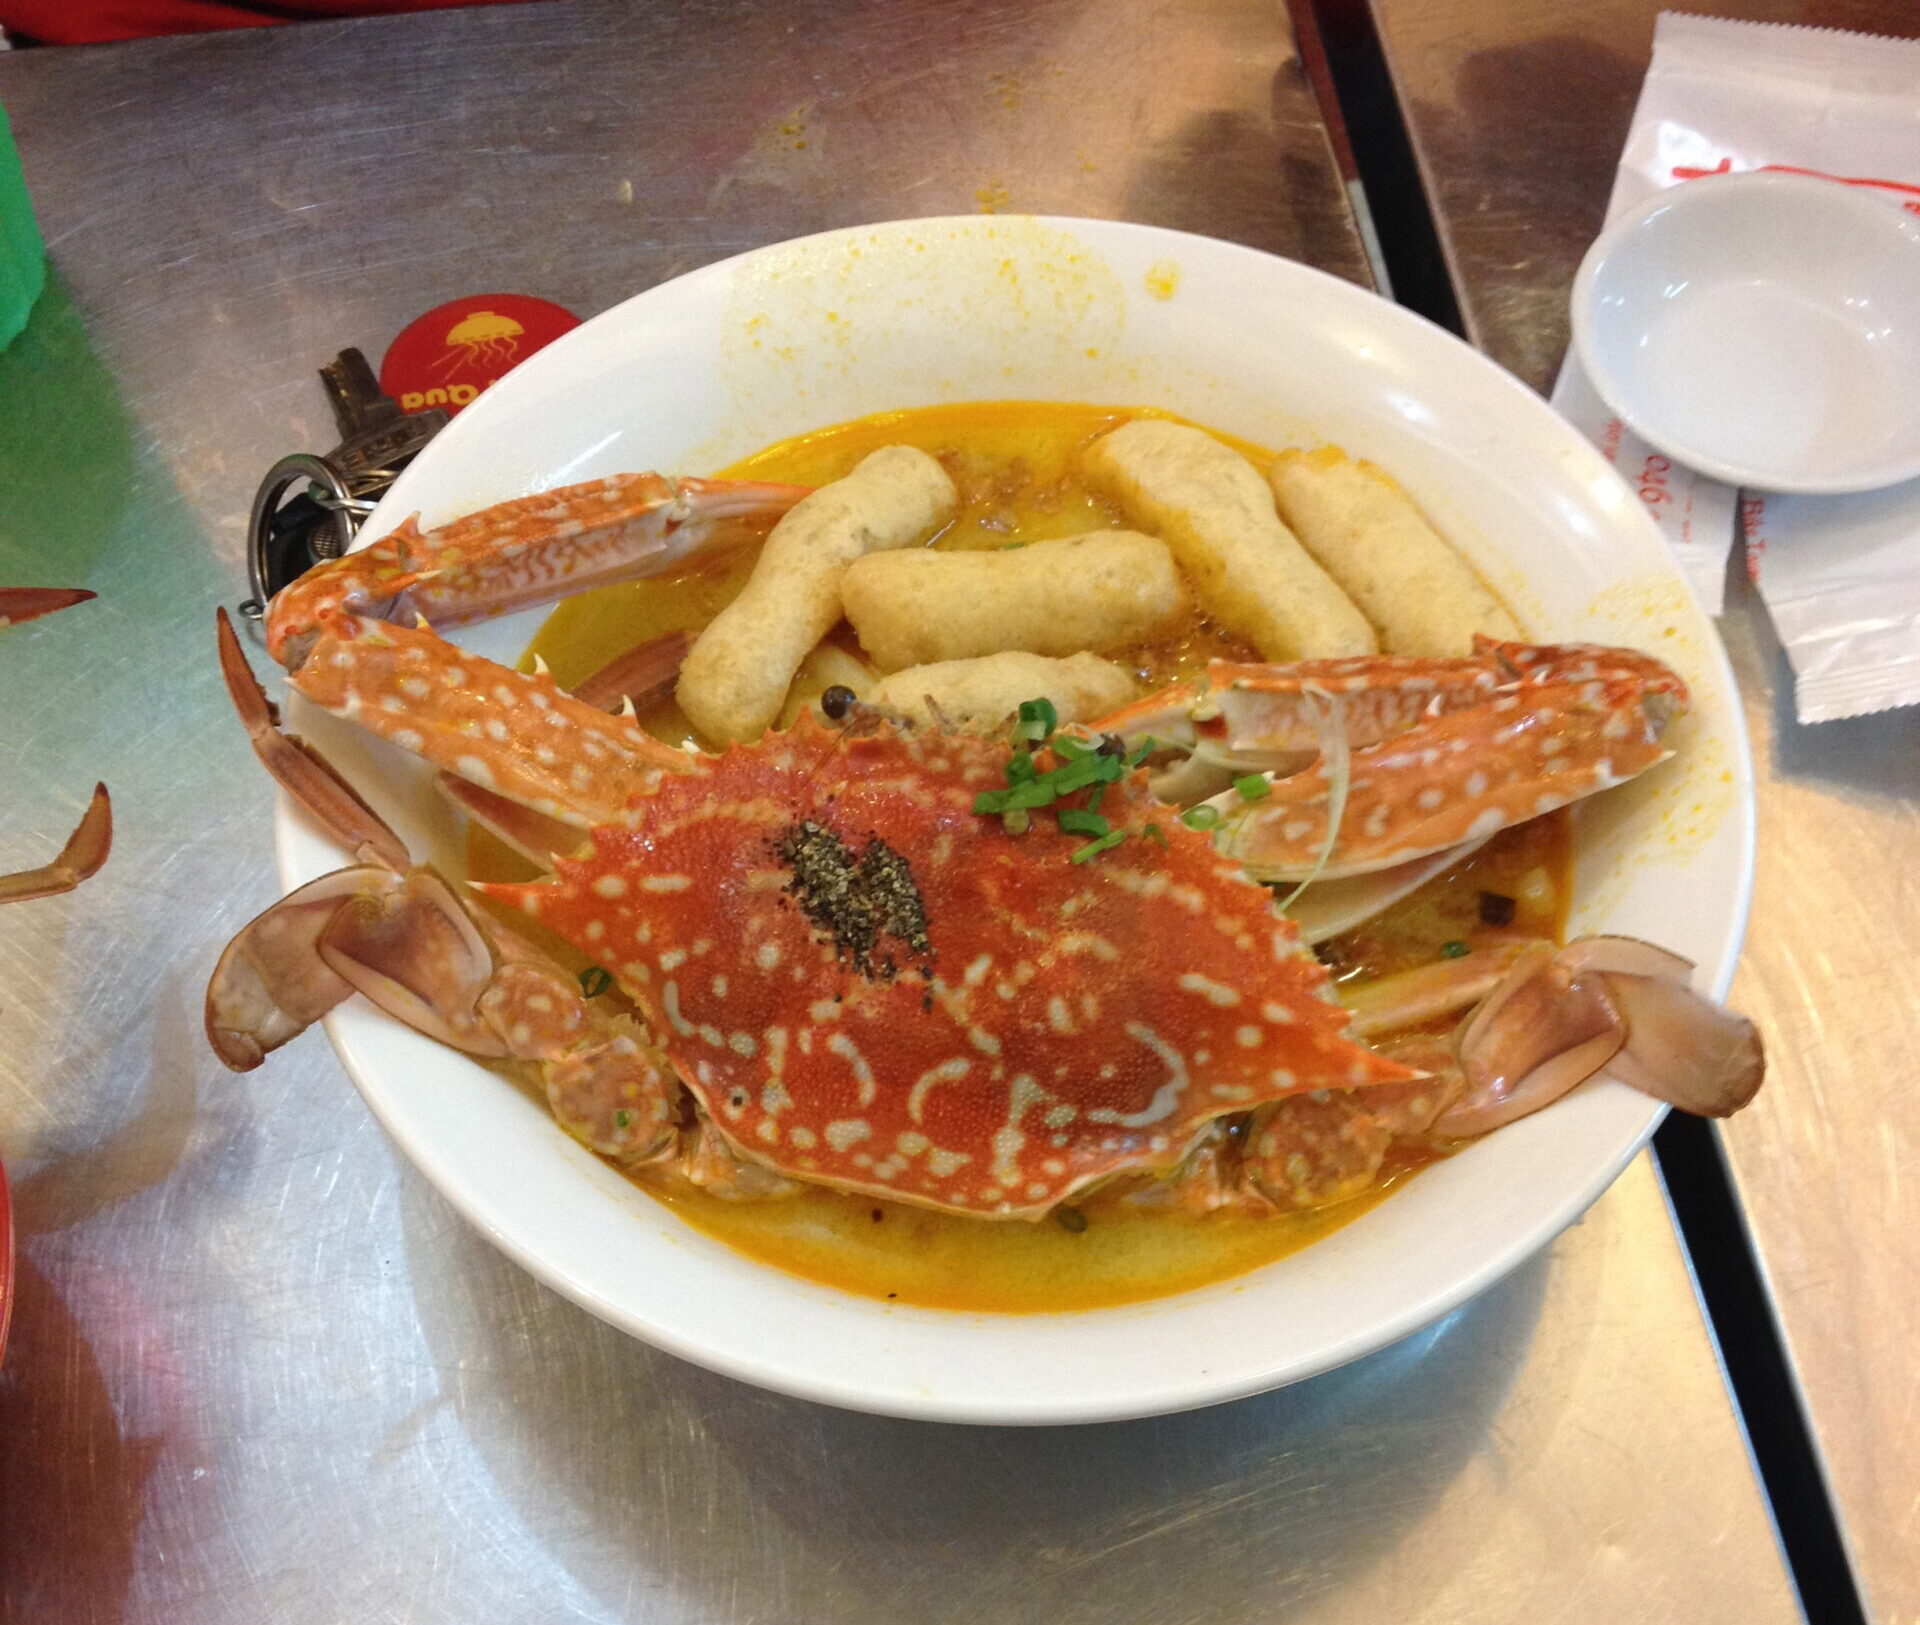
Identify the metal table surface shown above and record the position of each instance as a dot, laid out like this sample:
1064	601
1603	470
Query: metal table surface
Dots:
258	1369
1518	111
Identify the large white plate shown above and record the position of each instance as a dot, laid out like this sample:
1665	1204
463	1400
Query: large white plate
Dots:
701	370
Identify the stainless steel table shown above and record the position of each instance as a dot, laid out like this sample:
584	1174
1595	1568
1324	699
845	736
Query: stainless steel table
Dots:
259	1371
1518	112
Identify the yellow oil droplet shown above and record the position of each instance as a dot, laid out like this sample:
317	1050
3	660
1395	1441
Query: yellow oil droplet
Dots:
1163	279
991	198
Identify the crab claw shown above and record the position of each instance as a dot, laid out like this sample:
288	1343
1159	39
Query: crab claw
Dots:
517	733
1455	778
1258	718
1329	907
1557	1019
19	604
1256	713
523	552
80	859
1583	663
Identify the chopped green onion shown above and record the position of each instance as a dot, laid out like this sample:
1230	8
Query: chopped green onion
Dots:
594	981
1141	752
1078	775
1253	787
1034	793
1200	817
1020	768
1454	950
1154	832
1066	745
1075	822
622	1119
1038	719
1017	822
1093	849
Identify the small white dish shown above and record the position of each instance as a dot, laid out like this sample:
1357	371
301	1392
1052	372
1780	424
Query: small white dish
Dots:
697	372
1762	328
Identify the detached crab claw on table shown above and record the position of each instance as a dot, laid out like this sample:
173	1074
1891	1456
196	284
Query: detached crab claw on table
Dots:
80	859
19	604
844	974
92	839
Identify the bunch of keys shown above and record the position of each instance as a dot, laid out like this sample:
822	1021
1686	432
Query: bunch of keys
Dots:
287	537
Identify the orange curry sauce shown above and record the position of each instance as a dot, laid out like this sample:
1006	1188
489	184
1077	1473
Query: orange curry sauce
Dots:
1014	463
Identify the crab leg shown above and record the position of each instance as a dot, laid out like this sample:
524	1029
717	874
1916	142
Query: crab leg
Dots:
1583	663
1257	716
642	676
1282	710
80	859
535	836
516	733
1550	1020
415	948
301	770
19	604
523	552
1457	777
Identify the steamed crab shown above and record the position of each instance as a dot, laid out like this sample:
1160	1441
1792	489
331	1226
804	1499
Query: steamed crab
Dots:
837	971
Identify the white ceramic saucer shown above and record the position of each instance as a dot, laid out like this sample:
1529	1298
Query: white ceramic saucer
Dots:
1763	328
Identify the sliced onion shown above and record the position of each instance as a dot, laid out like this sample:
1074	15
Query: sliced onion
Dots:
1336	756
1334	906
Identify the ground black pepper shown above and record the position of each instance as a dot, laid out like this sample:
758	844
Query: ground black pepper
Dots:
856	901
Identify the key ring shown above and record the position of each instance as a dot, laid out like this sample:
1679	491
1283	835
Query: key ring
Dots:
338	499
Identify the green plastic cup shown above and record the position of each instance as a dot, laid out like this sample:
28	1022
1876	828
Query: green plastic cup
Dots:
23	257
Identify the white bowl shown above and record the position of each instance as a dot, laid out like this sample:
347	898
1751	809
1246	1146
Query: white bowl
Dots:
691	375
1762	328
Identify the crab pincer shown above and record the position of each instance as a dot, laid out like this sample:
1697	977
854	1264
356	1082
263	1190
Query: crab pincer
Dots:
527	551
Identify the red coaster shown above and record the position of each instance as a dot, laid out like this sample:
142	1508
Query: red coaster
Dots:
446	357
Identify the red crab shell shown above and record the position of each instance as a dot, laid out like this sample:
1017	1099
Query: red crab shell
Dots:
1060	1022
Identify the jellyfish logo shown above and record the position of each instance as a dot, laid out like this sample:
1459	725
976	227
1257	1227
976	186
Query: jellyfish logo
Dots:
482	339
